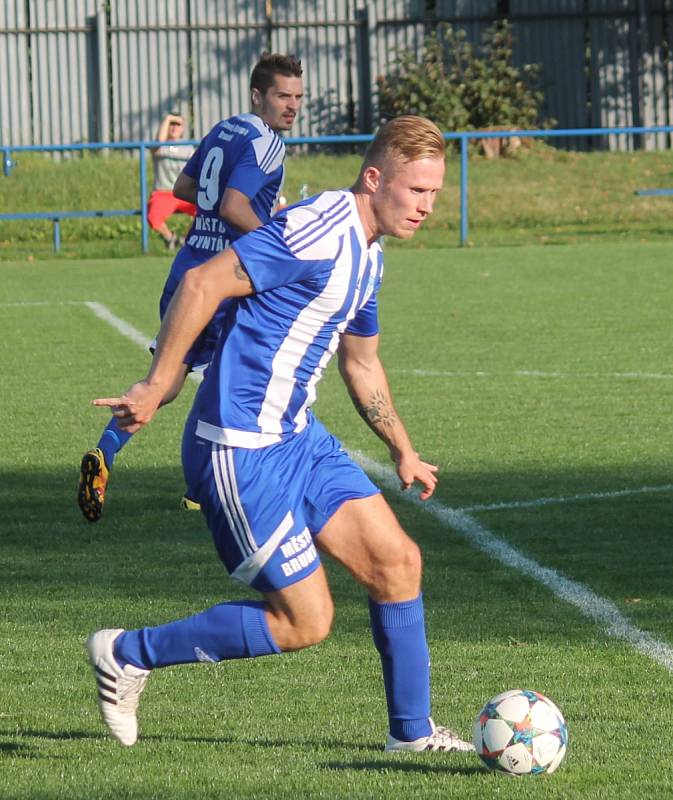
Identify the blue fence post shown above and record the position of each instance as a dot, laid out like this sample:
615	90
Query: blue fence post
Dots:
463	190
143	200
57	235
6	162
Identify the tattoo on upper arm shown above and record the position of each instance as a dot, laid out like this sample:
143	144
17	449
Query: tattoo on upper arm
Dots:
241	274
379	411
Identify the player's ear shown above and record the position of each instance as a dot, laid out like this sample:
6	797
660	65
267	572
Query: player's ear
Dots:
371	178
256	97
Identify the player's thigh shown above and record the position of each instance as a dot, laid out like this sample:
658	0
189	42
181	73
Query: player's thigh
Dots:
365	536
353	523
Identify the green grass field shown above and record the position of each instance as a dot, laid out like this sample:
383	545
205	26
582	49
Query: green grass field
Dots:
539	379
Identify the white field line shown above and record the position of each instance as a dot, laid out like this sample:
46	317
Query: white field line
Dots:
26	305
127	330
120	325
532	373
30	303
573	498
596	608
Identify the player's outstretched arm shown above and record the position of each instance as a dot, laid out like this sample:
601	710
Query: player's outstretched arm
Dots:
200	292
367	384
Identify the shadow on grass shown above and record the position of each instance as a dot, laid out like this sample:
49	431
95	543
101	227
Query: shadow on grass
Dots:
285	742
16	750
414	764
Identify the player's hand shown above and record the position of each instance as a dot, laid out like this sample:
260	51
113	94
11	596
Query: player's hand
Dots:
135	407
411	469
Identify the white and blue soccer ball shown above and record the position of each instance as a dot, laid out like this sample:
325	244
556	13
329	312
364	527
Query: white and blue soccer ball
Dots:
521	732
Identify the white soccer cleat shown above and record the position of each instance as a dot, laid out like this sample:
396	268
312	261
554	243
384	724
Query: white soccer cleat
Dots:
118	689
440	740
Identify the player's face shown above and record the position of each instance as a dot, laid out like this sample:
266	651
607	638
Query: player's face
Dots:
280	104
405	195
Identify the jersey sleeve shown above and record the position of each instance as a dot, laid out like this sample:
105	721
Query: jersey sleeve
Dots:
255	165
192	166
366	321
270	262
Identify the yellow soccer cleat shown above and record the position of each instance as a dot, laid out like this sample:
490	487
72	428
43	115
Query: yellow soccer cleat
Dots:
93	478
186	504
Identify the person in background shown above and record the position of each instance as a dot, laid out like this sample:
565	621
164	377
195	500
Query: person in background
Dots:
235	177
168	161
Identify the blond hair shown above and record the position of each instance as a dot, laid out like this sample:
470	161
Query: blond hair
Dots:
407	138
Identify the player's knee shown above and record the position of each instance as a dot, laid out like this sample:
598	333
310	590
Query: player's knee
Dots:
297	627
318	630
310	629
399	568
413	559
410	561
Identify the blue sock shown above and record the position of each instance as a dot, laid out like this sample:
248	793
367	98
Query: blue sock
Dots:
112	441
225	631
399	635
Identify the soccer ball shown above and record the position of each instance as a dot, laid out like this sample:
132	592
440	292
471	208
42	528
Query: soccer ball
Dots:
520	732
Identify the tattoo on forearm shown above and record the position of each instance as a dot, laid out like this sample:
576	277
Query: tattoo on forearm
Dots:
240	273
378	412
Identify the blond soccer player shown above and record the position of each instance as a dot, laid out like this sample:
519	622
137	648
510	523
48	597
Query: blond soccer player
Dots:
276	488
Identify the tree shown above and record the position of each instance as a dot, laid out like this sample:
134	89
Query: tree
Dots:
460	89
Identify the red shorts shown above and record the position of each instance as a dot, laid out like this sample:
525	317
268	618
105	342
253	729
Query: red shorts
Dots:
162	204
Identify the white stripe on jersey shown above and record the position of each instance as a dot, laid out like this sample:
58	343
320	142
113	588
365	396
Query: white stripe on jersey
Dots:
249	569
301	336
311	386
227	490
306	223
274	156
269	147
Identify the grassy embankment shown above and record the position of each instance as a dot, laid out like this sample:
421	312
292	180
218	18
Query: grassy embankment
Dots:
541	196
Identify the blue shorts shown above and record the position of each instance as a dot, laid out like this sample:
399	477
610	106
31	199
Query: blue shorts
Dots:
201	352
264	507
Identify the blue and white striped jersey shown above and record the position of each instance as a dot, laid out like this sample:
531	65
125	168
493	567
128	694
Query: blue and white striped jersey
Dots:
241	153
314	277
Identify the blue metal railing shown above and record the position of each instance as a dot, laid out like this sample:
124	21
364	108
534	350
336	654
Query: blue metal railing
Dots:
57	216
464	137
